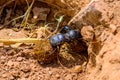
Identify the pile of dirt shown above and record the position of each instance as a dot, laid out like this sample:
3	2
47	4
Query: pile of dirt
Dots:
102	35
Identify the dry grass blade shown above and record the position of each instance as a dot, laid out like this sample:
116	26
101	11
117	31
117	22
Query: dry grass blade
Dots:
23	40
25	16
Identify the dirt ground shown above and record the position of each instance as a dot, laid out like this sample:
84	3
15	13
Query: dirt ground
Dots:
98	23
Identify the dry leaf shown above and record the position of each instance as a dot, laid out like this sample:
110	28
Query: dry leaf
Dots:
40	13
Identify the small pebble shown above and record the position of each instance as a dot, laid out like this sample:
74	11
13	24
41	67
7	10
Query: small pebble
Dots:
77	69
10	63
19	59
57	76
4	75
68	77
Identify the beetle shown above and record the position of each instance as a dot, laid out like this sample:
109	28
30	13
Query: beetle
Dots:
71	35
67	34
57	40
66	29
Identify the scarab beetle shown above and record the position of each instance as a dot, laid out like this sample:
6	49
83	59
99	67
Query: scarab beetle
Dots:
66	29
72	34
67	34
57	40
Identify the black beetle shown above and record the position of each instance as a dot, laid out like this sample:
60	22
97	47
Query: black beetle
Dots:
57	40
72	34
67	34
66	29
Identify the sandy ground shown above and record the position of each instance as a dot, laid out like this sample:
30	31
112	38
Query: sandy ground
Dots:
100	29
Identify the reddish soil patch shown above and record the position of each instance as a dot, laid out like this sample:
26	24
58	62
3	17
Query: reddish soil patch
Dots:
99	26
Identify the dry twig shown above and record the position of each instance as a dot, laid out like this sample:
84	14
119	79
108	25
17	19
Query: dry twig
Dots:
22	40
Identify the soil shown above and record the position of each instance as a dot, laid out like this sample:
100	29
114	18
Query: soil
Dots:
98	23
